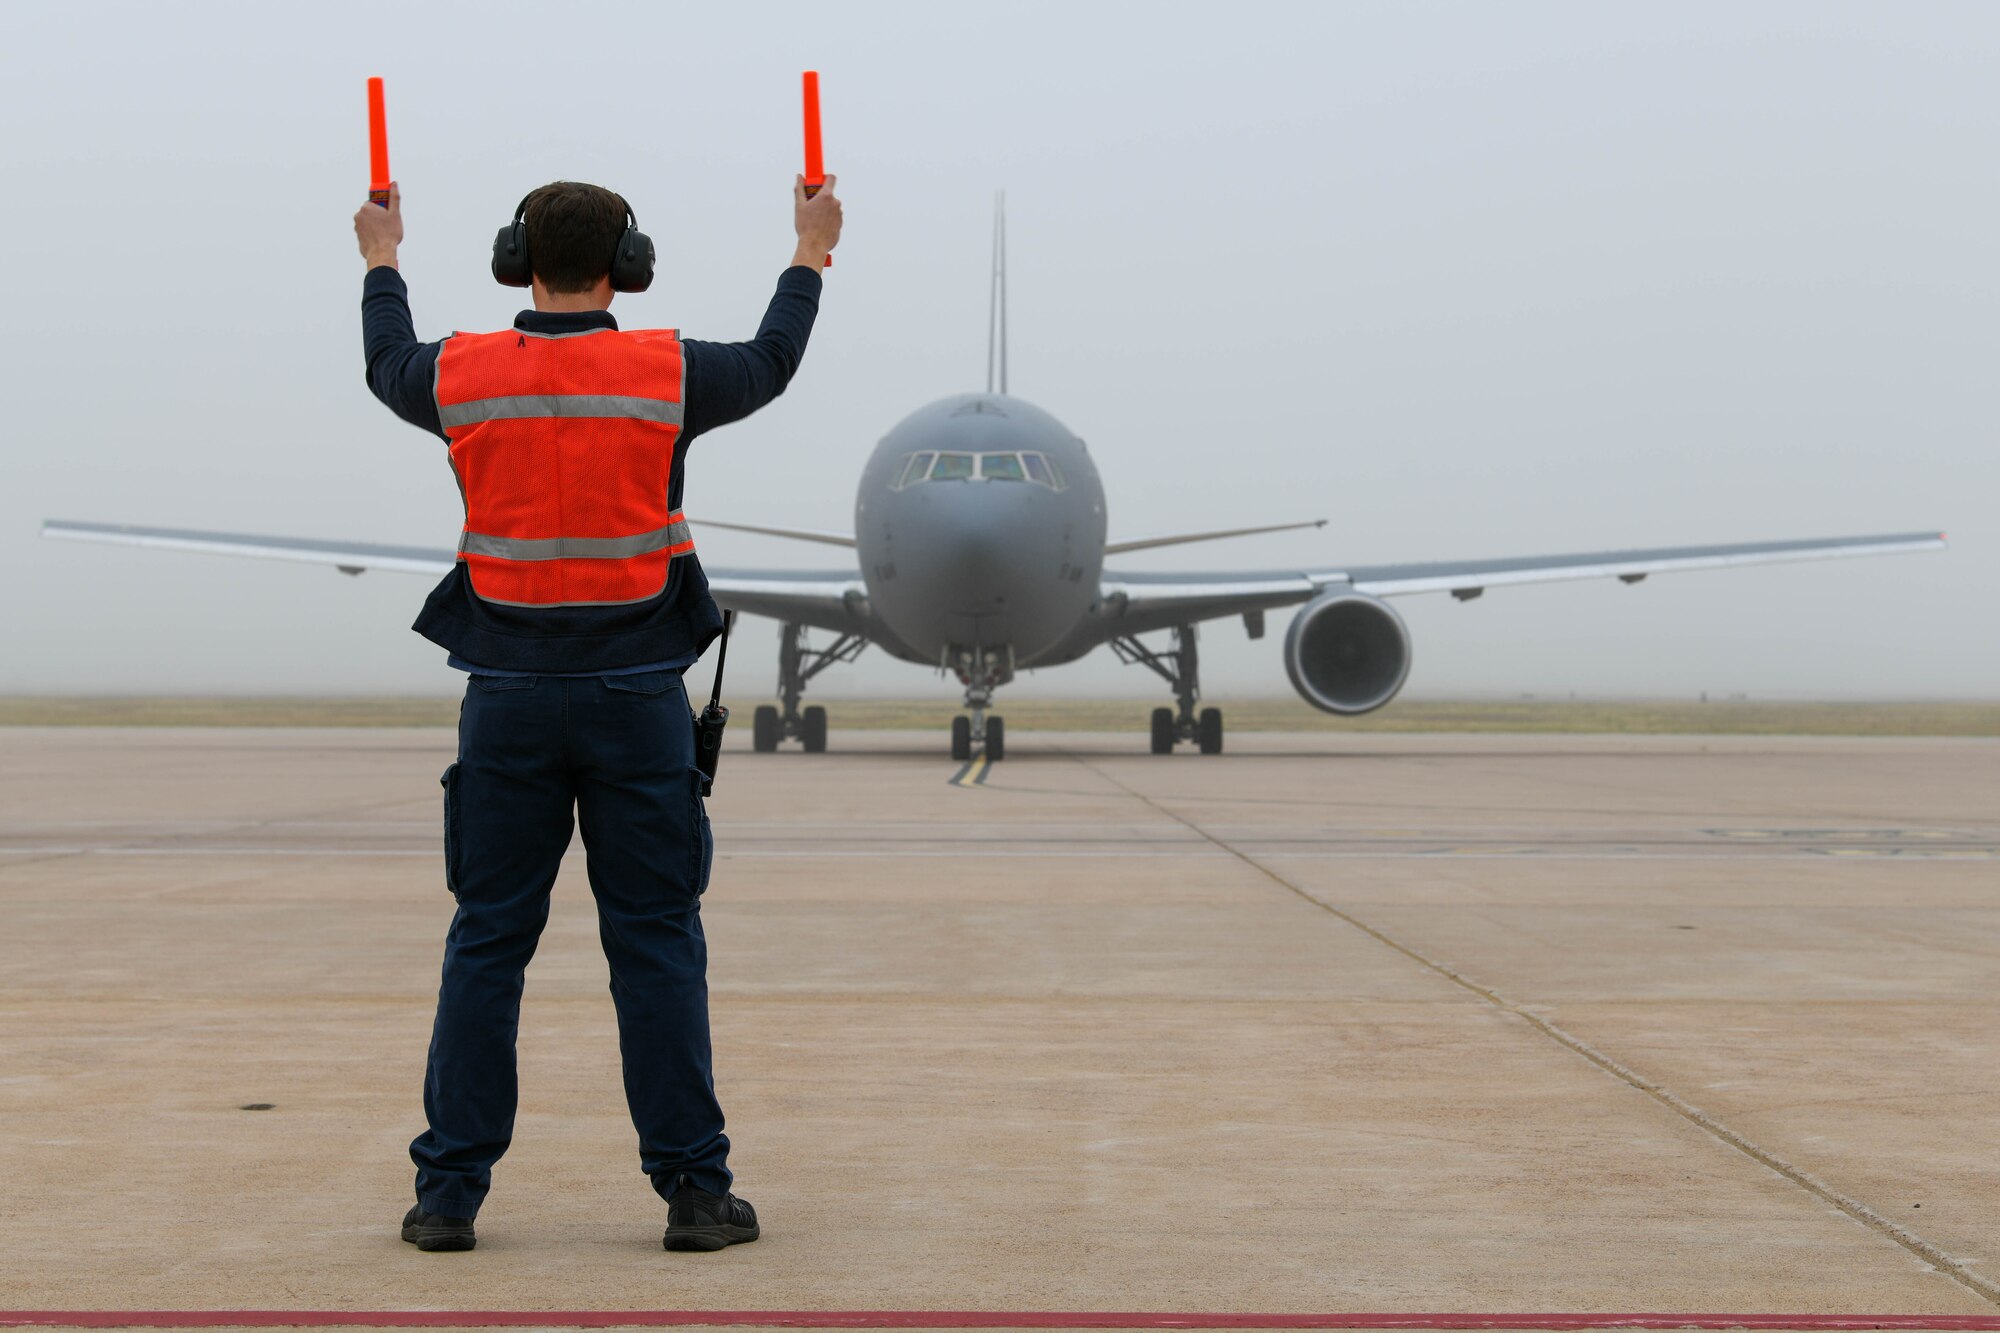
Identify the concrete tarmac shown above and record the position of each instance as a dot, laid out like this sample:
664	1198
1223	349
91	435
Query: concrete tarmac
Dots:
1325	1024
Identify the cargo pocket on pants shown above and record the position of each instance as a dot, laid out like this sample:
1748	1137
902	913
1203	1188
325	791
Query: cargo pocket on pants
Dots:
451	839
704	836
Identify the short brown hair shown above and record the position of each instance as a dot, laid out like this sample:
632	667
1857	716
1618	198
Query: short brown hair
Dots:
573	231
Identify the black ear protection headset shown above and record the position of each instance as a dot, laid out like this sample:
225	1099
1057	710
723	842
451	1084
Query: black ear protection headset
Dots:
631	260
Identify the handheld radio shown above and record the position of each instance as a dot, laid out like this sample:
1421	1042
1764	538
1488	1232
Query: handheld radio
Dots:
708	727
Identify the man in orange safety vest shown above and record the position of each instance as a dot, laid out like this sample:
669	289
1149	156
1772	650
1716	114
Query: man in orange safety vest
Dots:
574	606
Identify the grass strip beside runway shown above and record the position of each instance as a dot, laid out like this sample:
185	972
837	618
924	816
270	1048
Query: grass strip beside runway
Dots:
1606	717
994	1319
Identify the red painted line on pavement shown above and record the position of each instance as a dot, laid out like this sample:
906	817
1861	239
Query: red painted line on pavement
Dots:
1816	1323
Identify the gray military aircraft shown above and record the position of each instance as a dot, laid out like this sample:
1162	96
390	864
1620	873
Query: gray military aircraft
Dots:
980	541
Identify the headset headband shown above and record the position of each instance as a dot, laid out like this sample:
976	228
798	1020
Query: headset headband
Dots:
521	209
630	269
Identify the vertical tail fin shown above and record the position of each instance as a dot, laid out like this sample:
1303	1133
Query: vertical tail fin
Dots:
996	315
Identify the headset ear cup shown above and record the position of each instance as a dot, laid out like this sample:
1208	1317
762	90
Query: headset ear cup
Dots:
510	256
632	262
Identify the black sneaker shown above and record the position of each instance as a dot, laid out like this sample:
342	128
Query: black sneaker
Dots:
430	1231
698	1220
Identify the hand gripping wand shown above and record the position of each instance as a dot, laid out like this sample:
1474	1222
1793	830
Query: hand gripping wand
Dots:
815	172
708	727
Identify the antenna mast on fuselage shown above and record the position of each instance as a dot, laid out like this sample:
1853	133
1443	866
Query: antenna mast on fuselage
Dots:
996	314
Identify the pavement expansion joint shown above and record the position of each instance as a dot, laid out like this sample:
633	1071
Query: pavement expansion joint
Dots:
1924	1249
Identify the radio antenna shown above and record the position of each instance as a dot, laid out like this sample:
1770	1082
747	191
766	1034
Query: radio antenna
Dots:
721	658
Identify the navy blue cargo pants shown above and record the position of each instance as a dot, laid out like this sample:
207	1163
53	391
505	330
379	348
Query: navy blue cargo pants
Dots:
619	752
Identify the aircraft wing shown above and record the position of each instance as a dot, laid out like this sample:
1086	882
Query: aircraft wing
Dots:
832	599
1132	603
347	557
823	599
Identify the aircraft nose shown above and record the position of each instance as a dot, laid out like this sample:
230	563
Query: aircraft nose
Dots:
978	563
977	559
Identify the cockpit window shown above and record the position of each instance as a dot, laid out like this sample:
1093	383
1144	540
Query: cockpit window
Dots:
929	465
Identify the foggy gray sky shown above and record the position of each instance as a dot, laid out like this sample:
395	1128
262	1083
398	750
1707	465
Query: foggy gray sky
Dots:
1465	279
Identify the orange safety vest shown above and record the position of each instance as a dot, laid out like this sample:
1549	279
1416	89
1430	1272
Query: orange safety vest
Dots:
564	449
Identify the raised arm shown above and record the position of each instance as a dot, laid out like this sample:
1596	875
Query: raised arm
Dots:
729	381
399	367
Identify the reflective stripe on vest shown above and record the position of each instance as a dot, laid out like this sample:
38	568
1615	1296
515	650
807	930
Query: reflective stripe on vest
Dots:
564	451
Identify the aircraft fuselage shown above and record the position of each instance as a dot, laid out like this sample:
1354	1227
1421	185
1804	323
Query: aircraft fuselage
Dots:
980	526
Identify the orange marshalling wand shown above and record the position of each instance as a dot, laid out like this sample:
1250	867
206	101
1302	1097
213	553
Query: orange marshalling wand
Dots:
815	165
378	146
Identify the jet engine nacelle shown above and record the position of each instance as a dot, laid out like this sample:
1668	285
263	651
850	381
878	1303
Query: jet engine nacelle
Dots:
1347	652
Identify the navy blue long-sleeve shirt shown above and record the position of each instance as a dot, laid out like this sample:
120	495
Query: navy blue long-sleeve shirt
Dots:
723	382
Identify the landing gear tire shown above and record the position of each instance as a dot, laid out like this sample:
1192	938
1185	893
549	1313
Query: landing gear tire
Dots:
1209	731
799	662
764	729
996	740
1163	731
961	738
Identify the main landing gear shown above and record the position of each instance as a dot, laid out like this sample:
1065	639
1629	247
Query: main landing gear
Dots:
1179	666
981	671
799	662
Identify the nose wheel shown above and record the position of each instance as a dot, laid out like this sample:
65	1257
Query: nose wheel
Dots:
993	737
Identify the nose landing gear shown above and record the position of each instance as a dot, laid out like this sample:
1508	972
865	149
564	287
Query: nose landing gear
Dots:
981	671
